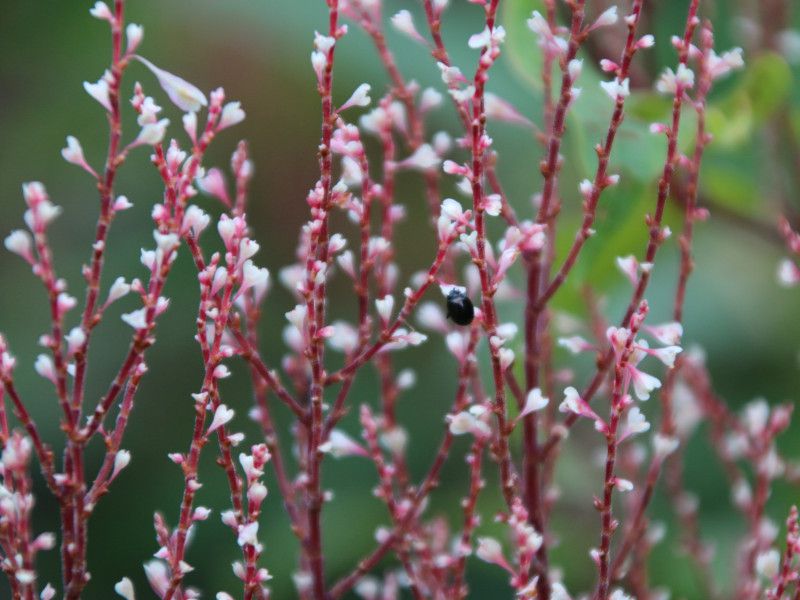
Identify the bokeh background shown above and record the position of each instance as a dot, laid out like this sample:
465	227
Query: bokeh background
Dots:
259	50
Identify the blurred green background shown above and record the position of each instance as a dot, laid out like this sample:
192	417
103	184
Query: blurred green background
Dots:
258	51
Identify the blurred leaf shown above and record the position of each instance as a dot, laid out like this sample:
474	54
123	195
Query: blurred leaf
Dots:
730	187
795	118
767	84
521	45
731	123
648	106
620	231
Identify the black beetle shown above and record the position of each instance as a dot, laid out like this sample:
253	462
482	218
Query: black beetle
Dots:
459	306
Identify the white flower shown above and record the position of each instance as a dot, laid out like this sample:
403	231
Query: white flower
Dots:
134	33
118	289
506	356
156	573
124	587
534	401
470	242
424	158
75	339
623	485
430	316
572	402
360	97
451	209
450	75
201	513
608	17
559	592
385	306
486	38
574	68
99	91
152	133
499	109
297	316
340	444
194	220
226	227
122	203
666	333
148	112
685	76
44	366
404	23
406	379
490	550
190	125
664	445
617	89
575	344
493	205
121	460
101	11
461	423
646	41
551	43
73	153
643	384
323	43
539	25
788	274
767	563
629	267
635	422
667	354
183	94
232	114
345	261
20	242
430	98
318	62
248	534
506	331
457	343
669	80
253	276
222	415
351	172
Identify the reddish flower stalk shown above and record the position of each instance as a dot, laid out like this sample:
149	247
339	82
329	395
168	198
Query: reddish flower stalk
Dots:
788	575
478	146
619	402
705	80
315	300
471	521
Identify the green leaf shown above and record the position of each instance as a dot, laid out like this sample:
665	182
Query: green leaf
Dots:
730	187
767	85
521	45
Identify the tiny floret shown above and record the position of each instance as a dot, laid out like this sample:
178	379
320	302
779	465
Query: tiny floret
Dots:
183	94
